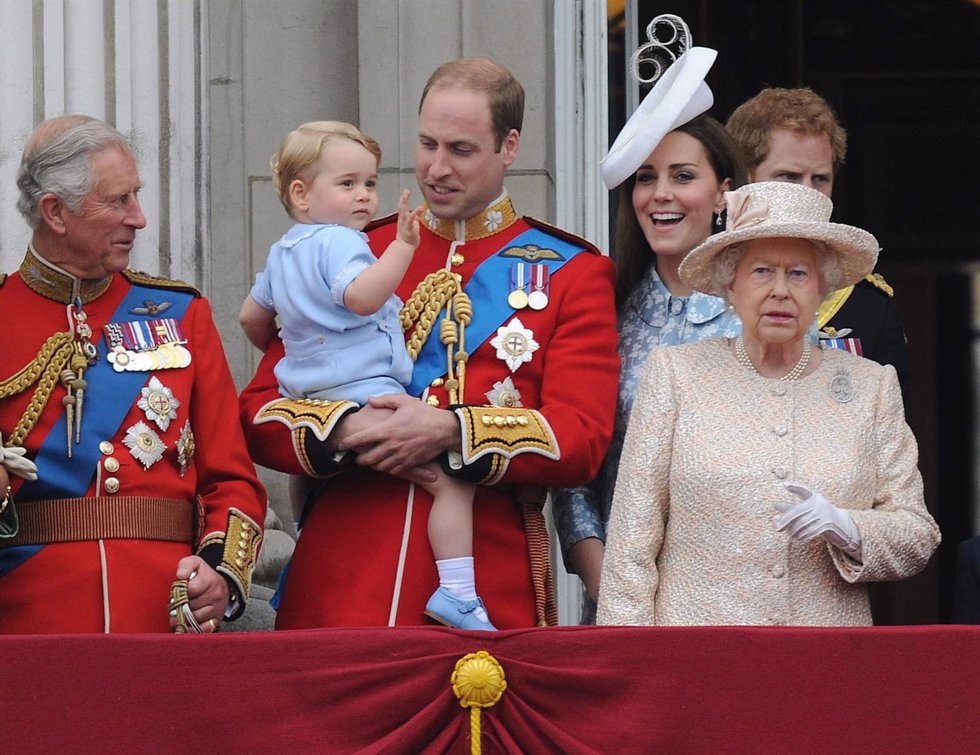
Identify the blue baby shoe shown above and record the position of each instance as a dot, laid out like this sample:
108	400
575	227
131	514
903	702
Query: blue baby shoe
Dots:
453	612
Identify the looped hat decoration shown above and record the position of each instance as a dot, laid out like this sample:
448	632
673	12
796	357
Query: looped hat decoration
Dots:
679	95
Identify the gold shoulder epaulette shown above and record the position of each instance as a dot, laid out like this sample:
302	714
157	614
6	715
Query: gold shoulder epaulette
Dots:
153	281
562	234
3	278
877	280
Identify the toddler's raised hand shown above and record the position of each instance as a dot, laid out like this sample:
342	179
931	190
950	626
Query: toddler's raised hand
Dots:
408	221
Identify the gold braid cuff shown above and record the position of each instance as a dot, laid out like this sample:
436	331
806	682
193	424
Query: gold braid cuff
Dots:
303	416
242	539
498	465
319	416
504	432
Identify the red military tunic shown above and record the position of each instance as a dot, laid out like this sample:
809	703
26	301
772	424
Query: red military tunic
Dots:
200	463
363	557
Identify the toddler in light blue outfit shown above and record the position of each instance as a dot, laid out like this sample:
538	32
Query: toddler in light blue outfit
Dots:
338	320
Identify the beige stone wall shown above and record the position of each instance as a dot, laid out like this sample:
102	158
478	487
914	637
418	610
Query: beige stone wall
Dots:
272	66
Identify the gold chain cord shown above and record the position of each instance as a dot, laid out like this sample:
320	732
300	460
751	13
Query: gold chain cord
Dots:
438	291
45	369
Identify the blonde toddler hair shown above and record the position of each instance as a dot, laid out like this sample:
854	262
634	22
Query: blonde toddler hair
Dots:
299	153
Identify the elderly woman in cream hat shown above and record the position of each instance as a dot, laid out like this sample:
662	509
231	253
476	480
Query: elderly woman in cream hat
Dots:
764	481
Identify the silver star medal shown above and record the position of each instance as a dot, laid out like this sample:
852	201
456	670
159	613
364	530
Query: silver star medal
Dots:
185	448
515	344
504	394
145	445
158	403
841	388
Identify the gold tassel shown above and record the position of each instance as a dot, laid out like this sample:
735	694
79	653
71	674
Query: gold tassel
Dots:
478	681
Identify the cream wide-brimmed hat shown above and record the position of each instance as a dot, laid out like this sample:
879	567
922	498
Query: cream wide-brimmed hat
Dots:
680	95
776	209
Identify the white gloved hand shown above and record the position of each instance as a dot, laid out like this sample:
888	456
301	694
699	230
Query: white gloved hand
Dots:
15	460
815	516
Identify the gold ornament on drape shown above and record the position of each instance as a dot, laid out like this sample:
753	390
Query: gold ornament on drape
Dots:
478	681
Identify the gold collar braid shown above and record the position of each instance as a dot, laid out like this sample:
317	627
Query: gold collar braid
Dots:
53	283
495	218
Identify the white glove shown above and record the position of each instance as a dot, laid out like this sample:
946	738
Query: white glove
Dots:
815	516
16	461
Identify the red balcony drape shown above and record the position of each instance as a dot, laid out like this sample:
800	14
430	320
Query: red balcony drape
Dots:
569	690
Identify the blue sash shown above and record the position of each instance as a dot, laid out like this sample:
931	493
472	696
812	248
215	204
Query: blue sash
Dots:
487	289
109	397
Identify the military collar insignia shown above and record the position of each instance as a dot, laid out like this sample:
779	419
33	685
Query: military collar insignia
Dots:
497	217
51	282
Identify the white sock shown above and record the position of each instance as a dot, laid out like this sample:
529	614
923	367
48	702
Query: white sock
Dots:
456	575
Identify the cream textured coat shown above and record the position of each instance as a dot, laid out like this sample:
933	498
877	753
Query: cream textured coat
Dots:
692	537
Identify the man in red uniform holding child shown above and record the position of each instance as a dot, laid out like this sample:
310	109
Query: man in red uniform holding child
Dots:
512	325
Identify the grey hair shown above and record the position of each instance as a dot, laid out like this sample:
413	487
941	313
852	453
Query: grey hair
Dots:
57	160
724	268
828	267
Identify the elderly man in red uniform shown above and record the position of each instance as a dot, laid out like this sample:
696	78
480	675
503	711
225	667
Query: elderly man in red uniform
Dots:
512	326
123	461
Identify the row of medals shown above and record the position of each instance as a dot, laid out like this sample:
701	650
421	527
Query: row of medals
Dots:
164	357
538	281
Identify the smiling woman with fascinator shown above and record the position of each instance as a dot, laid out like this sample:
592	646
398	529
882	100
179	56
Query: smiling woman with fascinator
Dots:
672	165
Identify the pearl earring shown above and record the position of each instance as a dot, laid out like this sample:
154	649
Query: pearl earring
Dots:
718	220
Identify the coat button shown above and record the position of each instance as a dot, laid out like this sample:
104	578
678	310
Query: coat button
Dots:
111	485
